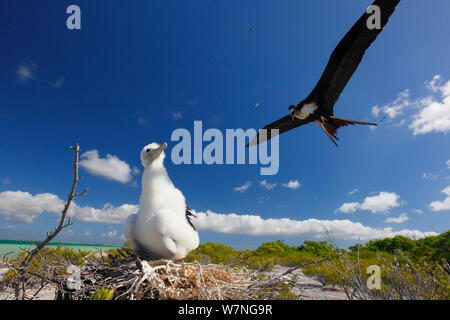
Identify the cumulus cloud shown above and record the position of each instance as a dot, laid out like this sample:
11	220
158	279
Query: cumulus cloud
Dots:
442	205
22	206
349	207
25	207
395	108
107	214
266	185
255	225
434	117
9	228
378	203
448	164
400	219
292	184
243	188
353	191
110	167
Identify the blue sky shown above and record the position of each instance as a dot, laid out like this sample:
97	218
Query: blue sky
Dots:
138	70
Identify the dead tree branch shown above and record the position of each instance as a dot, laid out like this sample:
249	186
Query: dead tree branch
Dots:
63	223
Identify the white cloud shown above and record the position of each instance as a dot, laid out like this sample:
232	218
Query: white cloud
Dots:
425	114
394	109
243	188
107	214
255	225
266	185
24	207
448	164
432	83
378	203
400	219
353	191
112	234
110	167
292	184
25	71
176	115
349	207
442	205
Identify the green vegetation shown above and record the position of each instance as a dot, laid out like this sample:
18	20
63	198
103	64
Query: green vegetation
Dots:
410	269
264	257
103	294
433	248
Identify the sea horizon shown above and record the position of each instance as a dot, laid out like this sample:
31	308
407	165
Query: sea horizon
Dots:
12	247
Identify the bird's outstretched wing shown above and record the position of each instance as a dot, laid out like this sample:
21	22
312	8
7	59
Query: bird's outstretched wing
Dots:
284	124
348	54
189	214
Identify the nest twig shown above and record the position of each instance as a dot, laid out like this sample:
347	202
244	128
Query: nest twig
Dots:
133	278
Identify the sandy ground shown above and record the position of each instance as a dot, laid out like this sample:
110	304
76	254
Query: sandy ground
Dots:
306	288
47	293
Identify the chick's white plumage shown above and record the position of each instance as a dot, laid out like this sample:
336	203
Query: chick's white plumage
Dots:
160	228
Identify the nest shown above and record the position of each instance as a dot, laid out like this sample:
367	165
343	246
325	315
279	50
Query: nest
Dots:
132	277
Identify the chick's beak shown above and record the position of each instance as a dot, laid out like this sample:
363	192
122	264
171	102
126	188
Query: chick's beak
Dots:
160	149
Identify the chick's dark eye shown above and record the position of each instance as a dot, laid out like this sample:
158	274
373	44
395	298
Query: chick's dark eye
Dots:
148	150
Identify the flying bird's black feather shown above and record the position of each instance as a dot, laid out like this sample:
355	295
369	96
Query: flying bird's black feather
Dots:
347	56
284	124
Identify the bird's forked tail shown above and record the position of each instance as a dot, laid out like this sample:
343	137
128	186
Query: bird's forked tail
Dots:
331	127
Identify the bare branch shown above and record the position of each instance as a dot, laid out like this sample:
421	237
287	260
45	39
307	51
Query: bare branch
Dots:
62	223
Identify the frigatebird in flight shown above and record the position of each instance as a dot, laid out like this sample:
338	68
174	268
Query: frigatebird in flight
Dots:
344	60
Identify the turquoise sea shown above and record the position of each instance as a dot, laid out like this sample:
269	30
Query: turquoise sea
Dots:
16	246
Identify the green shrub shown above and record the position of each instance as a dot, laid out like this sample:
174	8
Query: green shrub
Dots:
103	294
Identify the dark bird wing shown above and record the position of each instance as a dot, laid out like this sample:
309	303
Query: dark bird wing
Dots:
189	214
347	55
284	124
